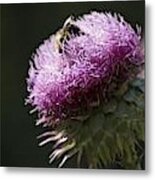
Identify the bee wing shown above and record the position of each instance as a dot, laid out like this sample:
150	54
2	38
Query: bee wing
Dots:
68	21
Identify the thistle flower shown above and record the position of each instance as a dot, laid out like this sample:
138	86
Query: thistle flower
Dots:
105	50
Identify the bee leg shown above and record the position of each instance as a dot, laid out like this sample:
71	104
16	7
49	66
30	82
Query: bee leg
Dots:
60	50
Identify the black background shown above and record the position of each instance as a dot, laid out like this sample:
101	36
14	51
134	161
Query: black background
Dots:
23	28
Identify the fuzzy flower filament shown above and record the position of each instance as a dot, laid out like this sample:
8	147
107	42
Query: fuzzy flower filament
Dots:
106	50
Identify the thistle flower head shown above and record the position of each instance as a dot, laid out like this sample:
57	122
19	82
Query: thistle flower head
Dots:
103	51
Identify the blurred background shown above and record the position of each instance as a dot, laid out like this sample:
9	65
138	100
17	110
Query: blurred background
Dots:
23	29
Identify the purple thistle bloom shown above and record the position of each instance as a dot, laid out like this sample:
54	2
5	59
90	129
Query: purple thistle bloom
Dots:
106	49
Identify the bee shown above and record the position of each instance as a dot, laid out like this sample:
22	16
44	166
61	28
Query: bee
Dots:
65	33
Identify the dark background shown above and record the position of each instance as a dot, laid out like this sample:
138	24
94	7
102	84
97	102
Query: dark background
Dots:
23	28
